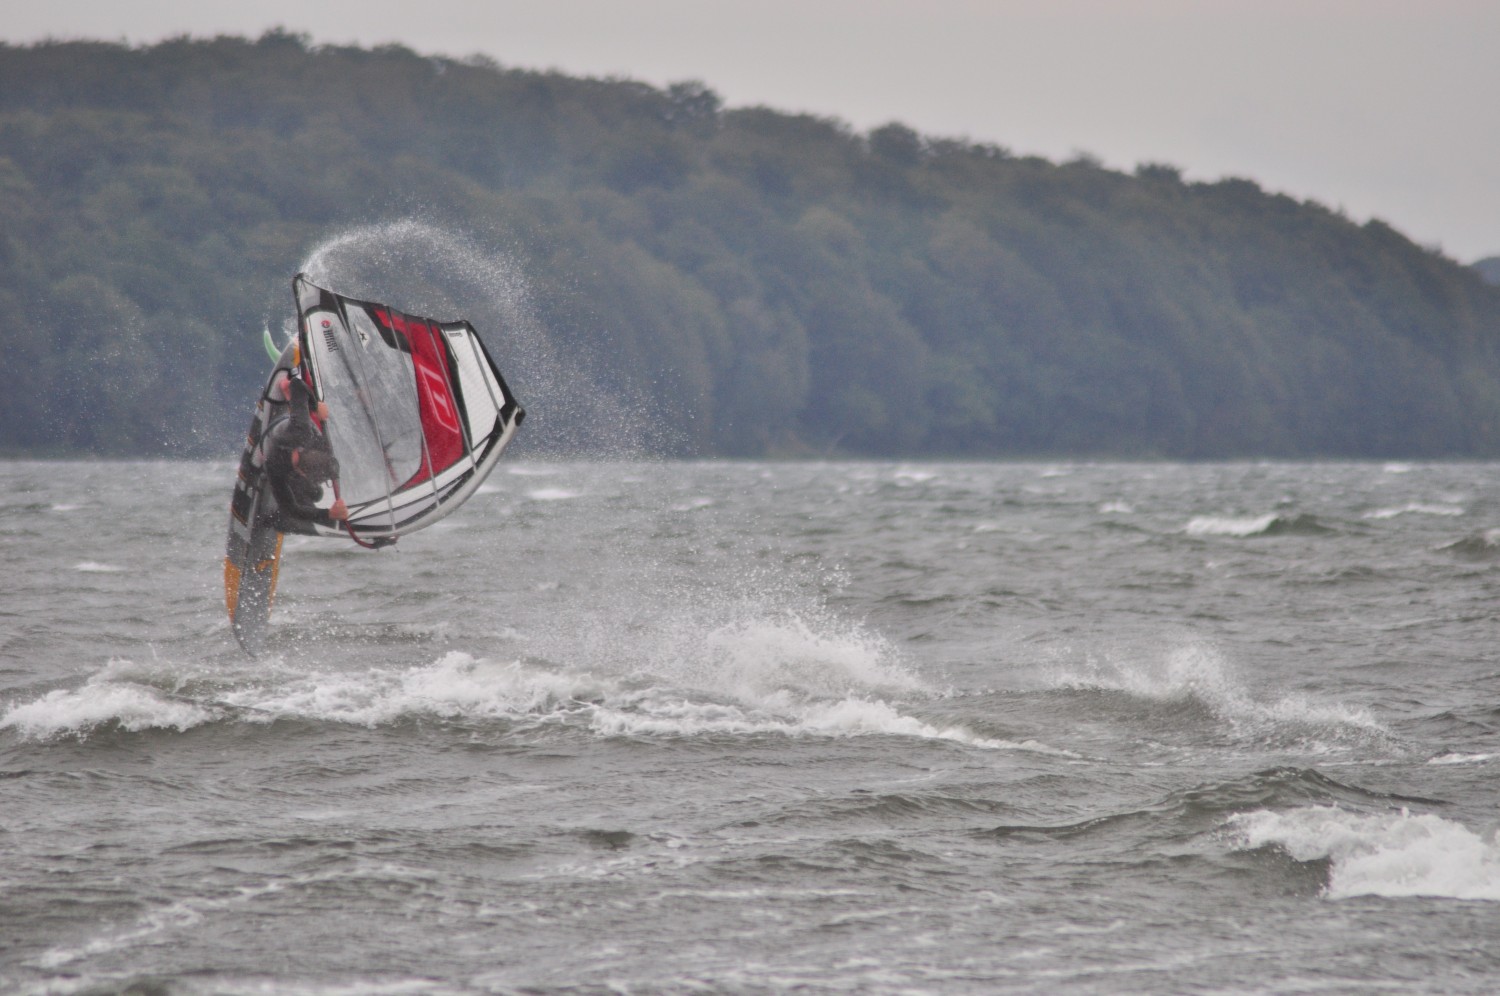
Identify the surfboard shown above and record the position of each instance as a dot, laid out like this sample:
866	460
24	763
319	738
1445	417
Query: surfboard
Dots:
252	553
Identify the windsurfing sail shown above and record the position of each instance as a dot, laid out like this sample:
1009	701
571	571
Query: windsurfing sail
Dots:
418	410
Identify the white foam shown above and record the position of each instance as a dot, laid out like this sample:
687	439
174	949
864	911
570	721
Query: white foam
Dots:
1200	672
66	506
798	683
456	686
552	494
1414	508
657	715
1456	758
94	567
781	673
97	703
1385	854
763	657
1116	508
1218	525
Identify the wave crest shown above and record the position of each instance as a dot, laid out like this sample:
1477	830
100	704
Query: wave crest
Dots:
1242	527
1383	854
1198	673
132	708
768	676
1476	546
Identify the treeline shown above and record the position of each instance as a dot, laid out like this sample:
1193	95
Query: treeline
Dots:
772	284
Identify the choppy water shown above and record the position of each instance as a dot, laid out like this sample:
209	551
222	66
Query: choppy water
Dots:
762	727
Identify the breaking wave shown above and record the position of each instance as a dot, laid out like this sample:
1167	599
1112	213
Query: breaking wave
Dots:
1199	673
1207	807
1414	508
779	677
129	707
1269	524
1383	854
1477	546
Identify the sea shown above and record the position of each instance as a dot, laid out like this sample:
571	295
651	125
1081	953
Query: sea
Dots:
643	726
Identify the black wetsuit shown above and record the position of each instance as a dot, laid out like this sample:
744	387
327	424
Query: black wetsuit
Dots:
296	494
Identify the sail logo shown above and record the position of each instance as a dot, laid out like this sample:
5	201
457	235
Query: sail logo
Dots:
330	341
439	401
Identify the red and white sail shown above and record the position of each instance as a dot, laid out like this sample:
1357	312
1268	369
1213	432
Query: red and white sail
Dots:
418	410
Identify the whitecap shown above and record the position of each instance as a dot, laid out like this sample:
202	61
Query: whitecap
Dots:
1414	508
775	675
1218	525
133	707
1385	854
1200	672
761	657
782	674
94	567
456	686
1453	757
1116	508
552	494
655	714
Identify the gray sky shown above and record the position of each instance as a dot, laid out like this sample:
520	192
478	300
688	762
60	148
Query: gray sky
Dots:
1384	108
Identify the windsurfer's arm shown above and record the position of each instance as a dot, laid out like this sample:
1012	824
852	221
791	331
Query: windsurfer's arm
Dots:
297	398
300	401
293	507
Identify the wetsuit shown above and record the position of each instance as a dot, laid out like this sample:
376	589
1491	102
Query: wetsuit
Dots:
296	494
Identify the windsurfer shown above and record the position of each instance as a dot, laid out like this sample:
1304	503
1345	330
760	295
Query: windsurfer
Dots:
299	461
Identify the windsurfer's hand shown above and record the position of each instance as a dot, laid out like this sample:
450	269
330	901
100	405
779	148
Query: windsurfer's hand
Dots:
339	511
284	385
322	411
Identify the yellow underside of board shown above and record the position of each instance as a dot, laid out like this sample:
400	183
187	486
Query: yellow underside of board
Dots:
232	575
231	586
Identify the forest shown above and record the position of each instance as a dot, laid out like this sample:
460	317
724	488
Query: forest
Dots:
759	283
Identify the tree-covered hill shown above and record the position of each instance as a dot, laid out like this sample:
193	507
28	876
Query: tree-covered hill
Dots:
1489	269
771	283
